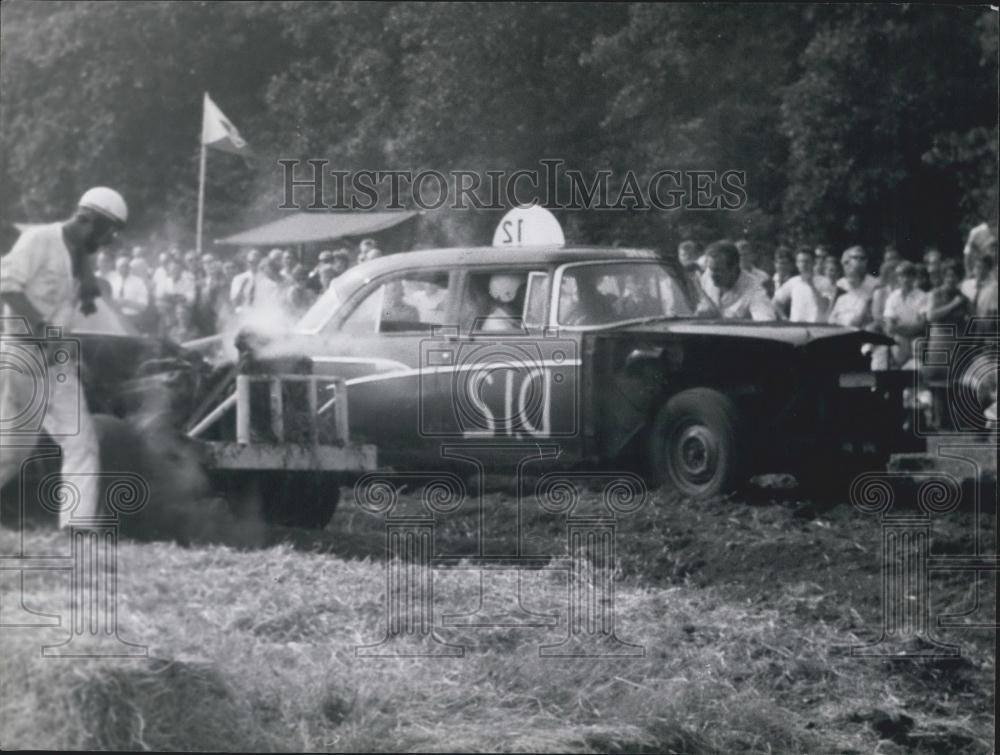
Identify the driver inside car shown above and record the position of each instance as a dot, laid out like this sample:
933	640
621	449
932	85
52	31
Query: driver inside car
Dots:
506	303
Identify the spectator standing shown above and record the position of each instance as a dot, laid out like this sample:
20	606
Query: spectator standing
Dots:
891	254
981	289
368	250
299	297
748	263
128	289
923	277
288	263
729	291
211	304
881	354
242	288
192	268
948	311
269	286
933	261
905	314
160	272
798	298
687	255
230	269
828	273
946	304
173	283
982	241
341	261
325	258
326	275
853	306
786	263
182	325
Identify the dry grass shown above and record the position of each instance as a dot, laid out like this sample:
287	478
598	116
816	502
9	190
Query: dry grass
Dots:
254	651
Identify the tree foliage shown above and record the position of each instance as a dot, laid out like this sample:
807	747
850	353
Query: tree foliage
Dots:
852	123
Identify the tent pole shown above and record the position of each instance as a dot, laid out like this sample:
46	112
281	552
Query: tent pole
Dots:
201	197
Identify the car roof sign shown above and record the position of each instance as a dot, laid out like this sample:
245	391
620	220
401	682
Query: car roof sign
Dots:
529	226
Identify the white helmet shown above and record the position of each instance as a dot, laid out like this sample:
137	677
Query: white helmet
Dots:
504	287
107	202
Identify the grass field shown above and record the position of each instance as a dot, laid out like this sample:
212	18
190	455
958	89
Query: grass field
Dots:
744	612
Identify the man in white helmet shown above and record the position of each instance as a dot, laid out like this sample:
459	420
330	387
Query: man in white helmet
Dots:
44	279
505	314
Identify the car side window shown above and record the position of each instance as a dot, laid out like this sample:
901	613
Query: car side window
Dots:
410	303
498	300
606	293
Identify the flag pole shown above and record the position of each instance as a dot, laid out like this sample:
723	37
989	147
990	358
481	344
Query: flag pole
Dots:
201	195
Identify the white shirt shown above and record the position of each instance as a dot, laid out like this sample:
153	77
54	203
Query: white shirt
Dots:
746	300
240	288
983	295
853	307
167	286
268	293
908	309
758	275
807	303
130	293
869	284
39	266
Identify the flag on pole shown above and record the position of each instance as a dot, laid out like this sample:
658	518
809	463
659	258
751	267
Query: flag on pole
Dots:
218	132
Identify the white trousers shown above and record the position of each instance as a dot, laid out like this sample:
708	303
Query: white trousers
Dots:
33	397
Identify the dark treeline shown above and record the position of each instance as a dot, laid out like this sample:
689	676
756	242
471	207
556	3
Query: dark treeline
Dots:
871	124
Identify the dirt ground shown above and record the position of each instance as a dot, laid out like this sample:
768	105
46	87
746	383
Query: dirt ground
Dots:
766	594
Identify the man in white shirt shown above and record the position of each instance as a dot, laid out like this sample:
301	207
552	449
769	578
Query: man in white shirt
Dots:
241	290
162	263
42	281
173	284
853	307
730	292
798	298
905	314
748	263
128	288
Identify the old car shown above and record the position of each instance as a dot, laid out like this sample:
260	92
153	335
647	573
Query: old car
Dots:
597	350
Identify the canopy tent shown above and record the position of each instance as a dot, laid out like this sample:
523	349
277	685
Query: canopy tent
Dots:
309	227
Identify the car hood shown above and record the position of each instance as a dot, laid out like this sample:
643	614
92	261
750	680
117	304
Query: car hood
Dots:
791	333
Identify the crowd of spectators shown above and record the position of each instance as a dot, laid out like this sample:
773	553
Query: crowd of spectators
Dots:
813	285
188	296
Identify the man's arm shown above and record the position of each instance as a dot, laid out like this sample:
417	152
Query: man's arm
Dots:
21	307
783	300
760	305
939	313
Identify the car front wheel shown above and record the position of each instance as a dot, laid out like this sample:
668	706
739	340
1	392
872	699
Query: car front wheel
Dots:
695	444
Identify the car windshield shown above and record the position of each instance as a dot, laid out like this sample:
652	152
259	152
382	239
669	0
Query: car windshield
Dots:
614	292
328	303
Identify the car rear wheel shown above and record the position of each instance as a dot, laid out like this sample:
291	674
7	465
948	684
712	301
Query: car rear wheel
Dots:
695	444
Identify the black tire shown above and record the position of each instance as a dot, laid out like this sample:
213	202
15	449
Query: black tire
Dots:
696	444
298	499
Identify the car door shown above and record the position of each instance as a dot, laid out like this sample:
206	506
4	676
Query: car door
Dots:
375	345
500	374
